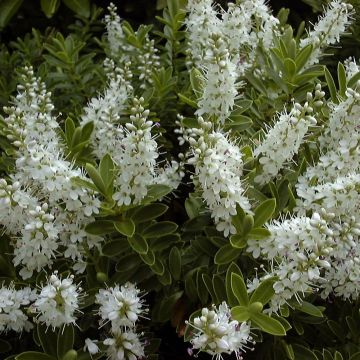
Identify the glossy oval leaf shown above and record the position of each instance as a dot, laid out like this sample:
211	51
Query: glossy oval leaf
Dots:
80	7
175	263
65	340
8	9
239	289
240	313
226	254
34	355
264	292
139	244
125	227
159	229
149	212
264	212
231	298
268	324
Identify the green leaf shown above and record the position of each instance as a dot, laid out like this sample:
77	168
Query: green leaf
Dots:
259	234
96	178
84	183
149	212
219	288
69	129
148	258
86	131
264	292
80	7
159	229
48	339
264	212
303	353
303	56
290	67
248	224
193	205
353	80
127	263
338	356
158	268
175	263
65	340
34	355
331	86
239	289
268	324
231	298
100	227
226	254
238	122
238	220
240	313
342	79
209	286
187	101
115	247
8	9
156	192
309	308
196	80
238	241
355	356
49	7
139	244
106	168
125	227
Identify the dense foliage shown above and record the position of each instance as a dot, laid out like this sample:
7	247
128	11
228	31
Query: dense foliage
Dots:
187	188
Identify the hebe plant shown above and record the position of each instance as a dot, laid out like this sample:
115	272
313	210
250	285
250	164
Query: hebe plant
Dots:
211	181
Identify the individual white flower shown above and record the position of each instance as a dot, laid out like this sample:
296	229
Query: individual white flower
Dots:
91	346
58	301
216	333
12	303
122	306
124	345
328	29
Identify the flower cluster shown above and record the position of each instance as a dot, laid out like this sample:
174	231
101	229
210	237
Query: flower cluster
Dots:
56	305
218	168
145	58
220	49
283	141
216	333
41	166
13	305
328	29
121	307
299	250
321	251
